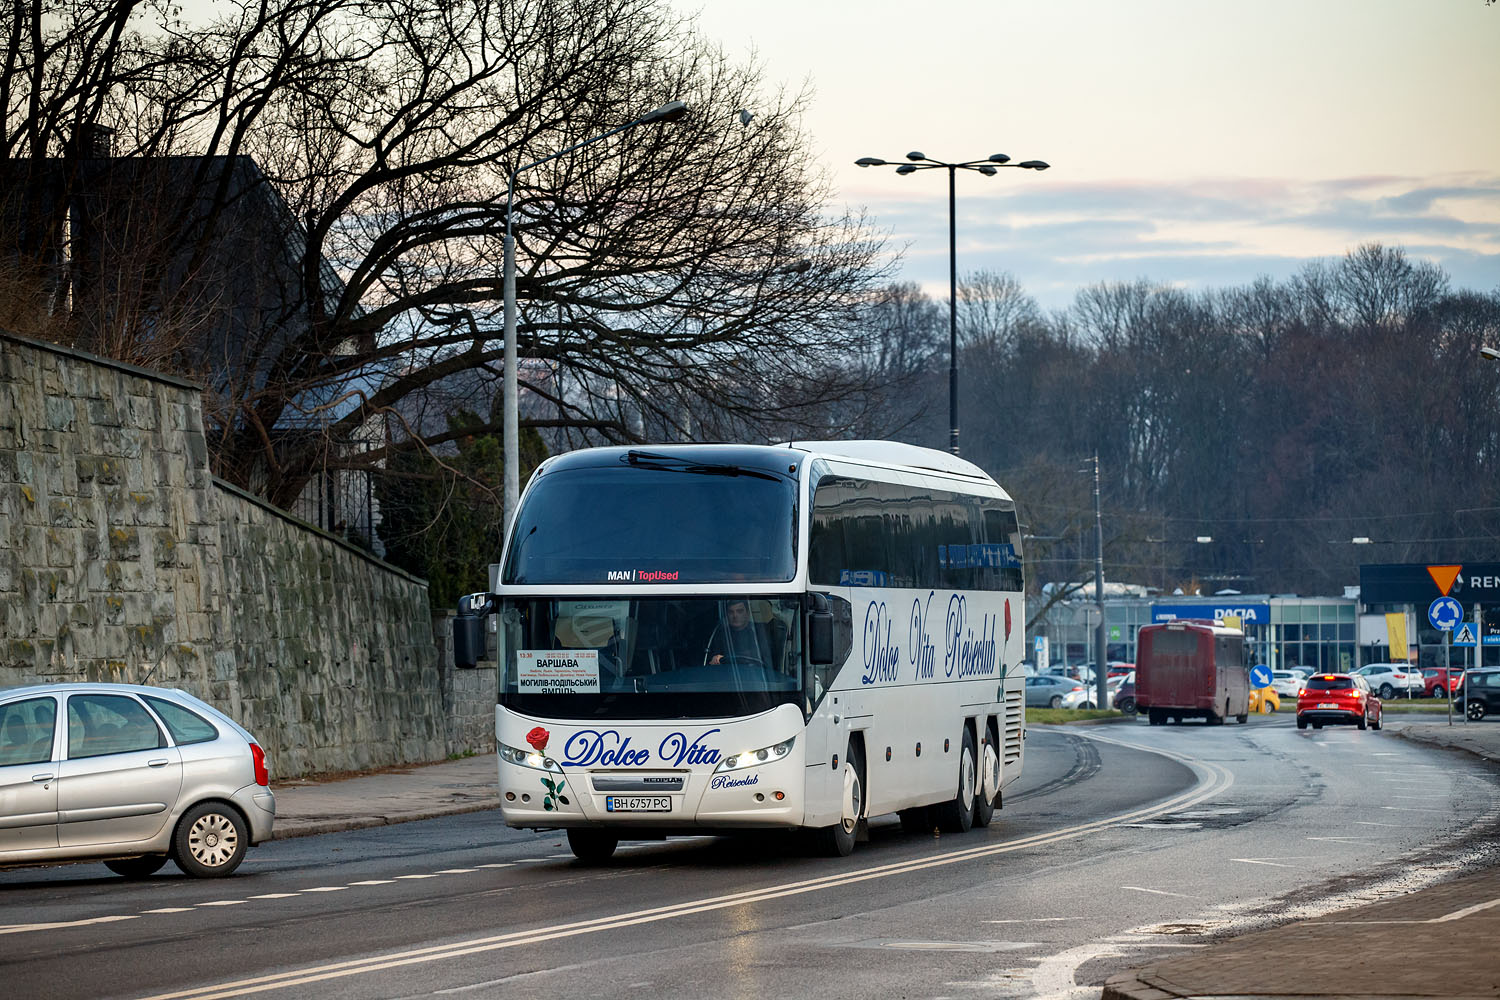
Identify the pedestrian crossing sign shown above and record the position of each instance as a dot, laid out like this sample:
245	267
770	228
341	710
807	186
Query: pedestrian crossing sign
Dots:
1464	635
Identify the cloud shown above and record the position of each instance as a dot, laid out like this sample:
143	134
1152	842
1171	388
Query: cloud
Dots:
1057	237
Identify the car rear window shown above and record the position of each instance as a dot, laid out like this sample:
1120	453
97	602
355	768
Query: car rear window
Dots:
1329	683
186	726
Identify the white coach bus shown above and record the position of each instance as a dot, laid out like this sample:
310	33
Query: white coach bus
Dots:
697	638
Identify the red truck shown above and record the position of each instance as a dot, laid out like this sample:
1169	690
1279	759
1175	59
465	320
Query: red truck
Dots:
1191	669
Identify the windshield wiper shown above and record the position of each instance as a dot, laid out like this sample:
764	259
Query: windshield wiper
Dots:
675	463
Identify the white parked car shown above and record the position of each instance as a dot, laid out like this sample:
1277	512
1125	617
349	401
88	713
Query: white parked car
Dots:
1390	679
1286	683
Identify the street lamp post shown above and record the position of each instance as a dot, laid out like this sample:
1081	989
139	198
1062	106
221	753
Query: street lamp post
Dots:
668	112
987	167
1101	639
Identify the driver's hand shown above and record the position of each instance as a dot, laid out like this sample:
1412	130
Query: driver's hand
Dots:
716	658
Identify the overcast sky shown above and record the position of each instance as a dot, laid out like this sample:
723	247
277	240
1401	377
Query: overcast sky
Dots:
1192	142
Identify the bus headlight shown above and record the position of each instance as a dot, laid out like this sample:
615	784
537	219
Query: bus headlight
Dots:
753	758
528	758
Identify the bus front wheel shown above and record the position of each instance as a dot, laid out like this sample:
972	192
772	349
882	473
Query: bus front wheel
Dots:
592	847
957	815
838	840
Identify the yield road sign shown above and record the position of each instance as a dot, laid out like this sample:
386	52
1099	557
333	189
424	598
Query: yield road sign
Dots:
1445	613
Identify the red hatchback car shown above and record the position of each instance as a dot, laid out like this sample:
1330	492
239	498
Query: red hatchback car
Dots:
1337	699
1443	681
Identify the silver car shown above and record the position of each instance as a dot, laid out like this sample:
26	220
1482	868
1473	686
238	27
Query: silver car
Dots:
1053	691
137	776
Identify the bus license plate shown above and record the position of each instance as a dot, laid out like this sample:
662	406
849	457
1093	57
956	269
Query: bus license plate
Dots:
637	803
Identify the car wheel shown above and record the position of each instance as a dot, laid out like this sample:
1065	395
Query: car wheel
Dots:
137	867
592	847
210	841
1376	723
1361	721
1056	701
1301	722
1086	706
1476	709
957	815
1127	706
838	840
1386	691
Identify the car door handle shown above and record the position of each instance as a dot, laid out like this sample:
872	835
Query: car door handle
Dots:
158	762
41	778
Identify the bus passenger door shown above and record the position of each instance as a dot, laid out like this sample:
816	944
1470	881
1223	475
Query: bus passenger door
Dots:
827	735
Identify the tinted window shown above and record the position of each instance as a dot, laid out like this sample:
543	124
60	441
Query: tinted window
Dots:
1329	683
26	729
867	533
185	726
109	723
646	522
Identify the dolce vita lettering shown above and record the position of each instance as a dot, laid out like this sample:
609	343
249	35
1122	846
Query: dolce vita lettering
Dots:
607	748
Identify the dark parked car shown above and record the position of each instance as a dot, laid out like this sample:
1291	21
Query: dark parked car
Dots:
1483	693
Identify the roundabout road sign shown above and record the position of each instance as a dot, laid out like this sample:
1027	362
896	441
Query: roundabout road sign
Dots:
1445	614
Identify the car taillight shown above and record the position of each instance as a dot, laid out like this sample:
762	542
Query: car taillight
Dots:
262	774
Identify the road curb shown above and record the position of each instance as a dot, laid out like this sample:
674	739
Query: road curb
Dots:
287	829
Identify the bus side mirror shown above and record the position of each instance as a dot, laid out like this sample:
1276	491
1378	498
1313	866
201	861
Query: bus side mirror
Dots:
468	629
820	632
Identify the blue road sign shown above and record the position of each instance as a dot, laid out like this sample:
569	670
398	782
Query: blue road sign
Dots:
1260	676
1445	613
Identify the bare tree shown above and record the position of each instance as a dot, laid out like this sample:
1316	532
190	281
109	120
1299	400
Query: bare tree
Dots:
383	136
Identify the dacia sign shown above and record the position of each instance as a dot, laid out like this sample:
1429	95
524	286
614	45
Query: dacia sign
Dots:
1249	614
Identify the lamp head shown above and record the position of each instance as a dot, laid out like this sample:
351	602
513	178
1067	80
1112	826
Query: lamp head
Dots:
988	170
1489	353
916	156
906	168
1033	164
745	116
869	161
669	112
999	158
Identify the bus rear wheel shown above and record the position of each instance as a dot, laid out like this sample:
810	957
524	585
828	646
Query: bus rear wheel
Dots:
989	779
957	815
592	847
838	840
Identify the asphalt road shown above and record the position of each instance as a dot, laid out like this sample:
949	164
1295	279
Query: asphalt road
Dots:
1119	844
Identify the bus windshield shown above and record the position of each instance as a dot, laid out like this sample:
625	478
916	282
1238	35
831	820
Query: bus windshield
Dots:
649	657
652	520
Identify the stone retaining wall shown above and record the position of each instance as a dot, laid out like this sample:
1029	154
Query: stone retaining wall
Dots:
123	559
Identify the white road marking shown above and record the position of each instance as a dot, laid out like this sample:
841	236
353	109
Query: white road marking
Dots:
456	871
268	895
1263	861
504	864
20	928
374	881
171	909
1213	780
1157	892
223	902
1466	911
416	876
327	888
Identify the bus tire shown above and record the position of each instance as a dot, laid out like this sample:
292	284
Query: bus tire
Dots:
957	815
592	847
989	783
838	840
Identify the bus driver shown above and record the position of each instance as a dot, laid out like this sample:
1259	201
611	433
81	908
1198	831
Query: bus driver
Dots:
742	639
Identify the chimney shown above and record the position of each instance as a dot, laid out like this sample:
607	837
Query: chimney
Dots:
93	141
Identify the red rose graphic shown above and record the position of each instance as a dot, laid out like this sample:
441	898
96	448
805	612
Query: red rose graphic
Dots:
538	738
1007	619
